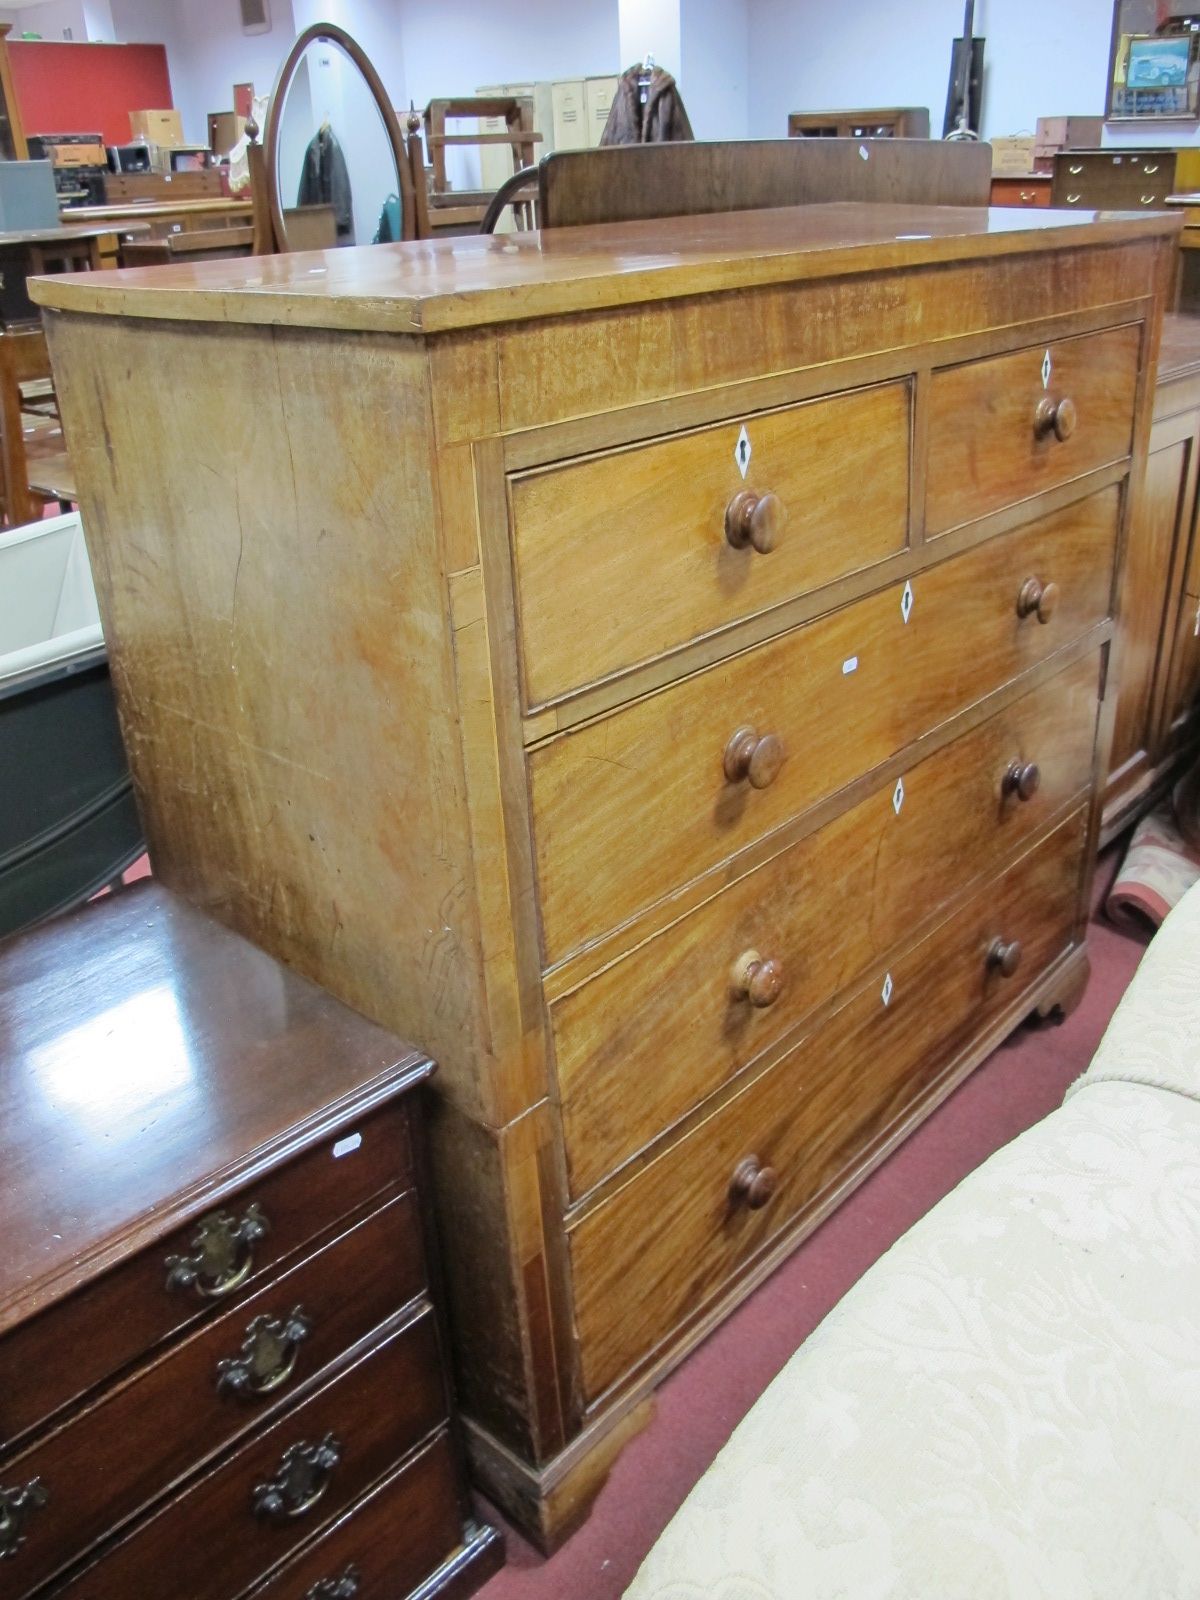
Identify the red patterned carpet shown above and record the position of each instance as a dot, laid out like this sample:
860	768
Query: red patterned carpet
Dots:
701	1403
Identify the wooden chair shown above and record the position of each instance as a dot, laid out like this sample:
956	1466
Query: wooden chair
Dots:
440	209
628	183
33	453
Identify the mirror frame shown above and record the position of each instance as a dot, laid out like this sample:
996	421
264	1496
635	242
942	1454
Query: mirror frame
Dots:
329	32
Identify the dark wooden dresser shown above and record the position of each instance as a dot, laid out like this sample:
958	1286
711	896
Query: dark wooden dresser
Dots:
220	1365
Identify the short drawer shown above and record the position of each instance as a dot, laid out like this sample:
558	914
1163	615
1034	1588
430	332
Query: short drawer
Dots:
1006	428
624	556
675	1236
122	1317
655	1032
629	807
389	1544
106	1465
249	1514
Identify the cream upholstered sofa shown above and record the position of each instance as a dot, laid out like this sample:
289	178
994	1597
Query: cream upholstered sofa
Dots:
1008	1403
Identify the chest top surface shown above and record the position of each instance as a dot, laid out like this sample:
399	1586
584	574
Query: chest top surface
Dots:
433	286
149	1060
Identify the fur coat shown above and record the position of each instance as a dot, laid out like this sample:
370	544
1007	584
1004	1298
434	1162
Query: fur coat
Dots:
662	118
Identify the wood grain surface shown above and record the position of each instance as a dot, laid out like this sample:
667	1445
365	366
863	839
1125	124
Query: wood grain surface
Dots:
627	807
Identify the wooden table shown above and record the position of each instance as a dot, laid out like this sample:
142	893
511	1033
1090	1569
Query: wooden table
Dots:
160	218
220	1361
29	252
709	777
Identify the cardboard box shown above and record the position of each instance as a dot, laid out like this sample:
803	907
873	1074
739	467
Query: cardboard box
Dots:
156	127
1068	133
1012	156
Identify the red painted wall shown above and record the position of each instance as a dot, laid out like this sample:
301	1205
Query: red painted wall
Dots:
88	88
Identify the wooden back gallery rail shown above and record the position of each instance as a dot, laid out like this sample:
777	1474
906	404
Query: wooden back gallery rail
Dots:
661	669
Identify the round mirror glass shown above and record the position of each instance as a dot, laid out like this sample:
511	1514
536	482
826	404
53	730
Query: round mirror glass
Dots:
333	149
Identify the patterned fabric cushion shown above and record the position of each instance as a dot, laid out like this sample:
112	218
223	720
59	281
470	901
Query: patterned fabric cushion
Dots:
1154	1036
1006	1405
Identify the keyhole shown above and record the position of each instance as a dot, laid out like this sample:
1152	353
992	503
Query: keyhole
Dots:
742	451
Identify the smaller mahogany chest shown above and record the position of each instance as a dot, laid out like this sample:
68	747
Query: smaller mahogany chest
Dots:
221	1364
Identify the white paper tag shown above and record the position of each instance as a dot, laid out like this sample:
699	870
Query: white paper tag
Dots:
347	1146
863	153
906	603
898	796
849	665
885	994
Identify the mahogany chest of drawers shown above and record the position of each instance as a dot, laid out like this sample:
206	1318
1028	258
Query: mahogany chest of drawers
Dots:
661	668
220	1367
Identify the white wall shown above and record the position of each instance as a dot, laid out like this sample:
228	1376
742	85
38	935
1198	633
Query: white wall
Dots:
714	70
1043	58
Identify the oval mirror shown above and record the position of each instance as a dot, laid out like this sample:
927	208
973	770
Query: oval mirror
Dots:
337	171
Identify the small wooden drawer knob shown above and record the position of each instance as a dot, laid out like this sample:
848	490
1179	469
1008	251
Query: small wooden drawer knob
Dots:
756	980
756	520
753	1184
1004	956
1022	779
1037	598
747	755
1058	417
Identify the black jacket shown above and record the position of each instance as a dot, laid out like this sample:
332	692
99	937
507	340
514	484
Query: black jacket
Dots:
324	181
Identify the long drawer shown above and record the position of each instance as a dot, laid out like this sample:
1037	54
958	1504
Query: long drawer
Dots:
1011	426
629	807
622	556
653	1033
389	1544
678	1232
105	1465
131	1310
234	1525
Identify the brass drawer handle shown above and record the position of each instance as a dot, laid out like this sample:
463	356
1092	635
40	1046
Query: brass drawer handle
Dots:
16	1508
343	1588
1075	170
1028	197
267	1358
749	756
753	1184
756	520
1149	199
222	1254
756	980
1074	199
1037	598
1150	171
1004	957
1023	779
301	1479
1058	417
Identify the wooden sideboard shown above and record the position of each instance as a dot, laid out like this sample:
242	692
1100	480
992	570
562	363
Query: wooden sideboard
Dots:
1122	180
660	668
220	1365
1157	728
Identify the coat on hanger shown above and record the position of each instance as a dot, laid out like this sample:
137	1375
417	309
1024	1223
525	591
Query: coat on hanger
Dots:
324	181
662	118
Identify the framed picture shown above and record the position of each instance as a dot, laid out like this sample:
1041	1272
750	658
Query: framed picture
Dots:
1154	63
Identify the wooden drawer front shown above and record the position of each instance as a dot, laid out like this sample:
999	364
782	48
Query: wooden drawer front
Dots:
123	1316
624	556
631	806
654	1033
121	1454
985	447
400	1534
1088	180
1027	191
210	1544
673	1237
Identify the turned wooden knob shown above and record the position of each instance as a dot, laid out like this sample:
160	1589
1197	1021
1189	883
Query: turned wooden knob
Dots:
1055	416
1004	956
753	1184
756	980
1039	597
1022	779
749	756
756	520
